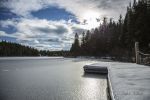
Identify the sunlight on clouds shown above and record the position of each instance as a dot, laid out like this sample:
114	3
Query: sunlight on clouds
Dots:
91	19
90	15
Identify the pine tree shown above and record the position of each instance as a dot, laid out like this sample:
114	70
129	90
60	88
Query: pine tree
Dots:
75	49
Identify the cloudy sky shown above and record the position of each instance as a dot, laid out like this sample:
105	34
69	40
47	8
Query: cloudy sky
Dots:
51	24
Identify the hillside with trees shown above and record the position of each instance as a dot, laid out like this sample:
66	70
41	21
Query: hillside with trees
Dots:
15	49
117	39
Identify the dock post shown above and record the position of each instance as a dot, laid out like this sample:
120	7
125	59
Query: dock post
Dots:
137	56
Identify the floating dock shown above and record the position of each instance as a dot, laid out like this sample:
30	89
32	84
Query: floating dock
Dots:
127	81
95	69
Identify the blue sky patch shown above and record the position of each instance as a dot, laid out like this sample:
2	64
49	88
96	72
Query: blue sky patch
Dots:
9	29
53	13
5	14
10	39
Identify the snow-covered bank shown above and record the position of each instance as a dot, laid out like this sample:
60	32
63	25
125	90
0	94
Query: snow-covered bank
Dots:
128	81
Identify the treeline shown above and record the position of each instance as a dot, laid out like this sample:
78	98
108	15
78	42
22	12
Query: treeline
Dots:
116	39
15	49
53	53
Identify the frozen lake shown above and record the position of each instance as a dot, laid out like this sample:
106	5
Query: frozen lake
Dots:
49	79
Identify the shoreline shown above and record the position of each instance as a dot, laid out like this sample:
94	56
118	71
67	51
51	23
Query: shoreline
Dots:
30	57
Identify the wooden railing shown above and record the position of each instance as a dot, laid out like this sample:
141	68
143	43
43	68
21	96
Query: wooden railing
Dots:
141	58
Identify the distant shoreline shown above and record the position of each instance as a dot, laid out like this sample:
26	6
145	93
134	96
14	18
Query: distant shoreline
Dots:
29	57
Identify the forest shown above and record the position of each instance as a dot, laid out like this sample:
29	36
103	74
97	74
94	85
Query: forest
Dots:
116	39
15	49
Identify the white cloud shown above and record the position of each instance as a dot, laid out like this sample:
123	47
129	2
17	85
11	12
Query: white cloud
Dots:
110	8
7	23
50	34
2	33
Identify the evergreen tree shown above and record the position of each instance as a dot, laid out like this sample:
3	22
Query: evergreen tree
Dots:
75	49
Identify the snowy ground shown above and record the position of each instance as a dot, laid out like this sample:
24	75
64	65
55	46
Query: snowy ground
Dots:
128	81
